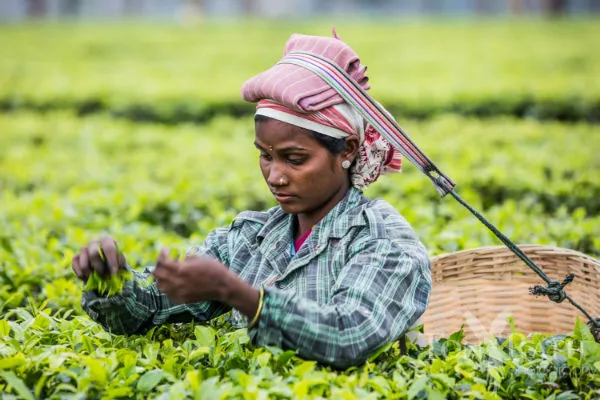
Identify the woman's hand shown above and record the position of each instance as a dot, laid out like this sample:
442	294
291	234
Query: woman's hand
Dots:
198	279
101	255
192	280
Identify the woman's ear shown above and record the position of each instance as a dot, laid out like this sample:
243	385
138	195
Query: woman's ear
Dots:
351	151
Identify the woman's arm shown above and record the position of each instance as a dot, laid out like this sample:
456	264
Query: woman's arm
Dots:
141	306
380	293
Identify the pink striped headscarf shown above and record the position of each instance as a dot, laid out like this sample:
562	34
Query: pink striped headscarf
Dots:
296	95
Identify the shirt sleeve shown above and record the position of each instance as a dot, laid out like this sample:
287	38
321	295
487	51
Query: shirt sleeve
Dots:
381	291
141	305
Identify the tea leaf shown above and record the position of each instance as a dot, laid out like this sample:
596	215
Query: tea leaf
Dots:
205	336
17	384
150	379
12	362
582	331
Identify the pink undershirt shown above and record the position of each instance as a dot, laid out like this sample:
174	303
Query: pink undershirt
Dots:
298	243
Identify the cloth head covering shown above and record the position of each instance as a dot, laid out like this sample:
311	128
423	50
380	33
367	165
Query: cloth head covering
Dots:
296	95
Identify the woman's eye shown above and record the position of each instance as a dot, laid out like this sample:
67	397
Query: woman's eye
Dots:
265	156
295	161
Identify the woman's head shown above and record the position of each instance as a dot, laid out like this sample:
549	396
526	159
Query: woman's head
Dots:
304	169
297	98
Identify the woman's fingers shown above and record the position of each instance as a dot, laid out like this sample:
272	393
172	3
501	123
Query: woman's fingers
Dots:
109	248
77	268
121	260
163	255
166	271
162	261
101	256
96	259
84	262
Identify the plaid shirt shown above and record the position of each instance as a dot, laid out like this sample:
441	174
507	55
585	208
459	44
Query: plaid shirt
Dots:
360	280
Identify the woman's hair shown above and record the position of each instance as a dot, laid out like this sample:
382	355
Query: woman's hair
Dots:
333	145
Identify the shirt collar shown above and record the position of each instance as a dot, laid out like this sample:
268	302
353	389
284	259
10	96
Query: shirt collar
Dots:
344	215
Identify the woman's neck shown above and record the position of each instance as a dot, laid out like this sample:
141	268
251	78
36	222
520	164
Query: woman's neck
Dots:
306	221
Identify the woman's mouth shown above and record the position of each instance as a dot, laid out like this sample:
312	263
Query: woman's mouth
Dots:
284	197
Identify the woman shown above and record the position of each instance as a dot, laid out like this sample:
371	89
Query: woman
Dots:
328	272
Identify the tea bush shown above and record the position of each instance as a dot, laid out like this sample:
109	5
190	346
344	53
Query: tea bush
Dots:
66	180
70	172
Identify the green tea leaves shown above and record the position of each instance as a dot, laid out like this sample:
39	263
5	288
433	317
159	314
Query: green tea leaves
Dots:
205	336
12	362
109	286
582	331
150	379
16	384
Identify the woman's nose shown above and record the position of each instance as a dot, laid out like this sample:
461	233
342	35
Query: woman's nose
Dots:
276	176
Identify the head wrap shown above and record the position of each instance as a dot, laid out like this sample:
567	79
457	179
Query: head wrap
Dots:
296	95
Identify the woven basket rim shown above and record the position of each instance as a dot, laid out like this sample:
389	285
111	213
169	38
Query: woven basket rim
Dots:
505	250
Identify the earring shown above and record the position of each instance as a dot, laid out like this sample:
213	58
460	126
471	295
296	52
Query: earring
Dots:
345	164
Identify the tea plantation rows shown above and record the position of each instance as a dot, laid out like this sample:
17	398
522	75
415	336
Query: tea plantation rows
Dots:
146	139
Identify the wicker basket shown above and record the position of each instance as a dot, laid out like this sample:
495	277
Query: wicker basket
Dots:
482	287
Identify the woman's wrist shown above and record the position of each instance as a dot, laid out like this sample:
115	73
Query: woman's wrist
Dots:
261	298
240	295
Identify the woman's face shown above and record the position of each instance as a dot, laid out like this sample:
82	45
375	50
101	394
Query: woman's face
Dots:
304	176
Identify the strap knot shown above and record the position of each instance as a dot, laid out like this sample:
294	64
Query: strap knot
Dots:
555	289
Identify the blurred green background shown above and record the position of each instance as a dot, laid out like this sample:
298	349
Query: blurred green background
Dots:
125	118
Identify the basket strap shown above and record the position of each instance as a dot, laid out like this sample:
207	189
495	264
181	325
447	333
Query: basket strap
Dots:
372	112
387	126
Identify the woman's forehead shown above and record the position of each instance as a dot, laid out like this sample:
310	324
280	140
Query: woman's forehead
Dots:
282	134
